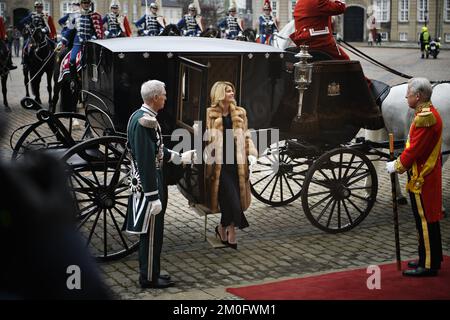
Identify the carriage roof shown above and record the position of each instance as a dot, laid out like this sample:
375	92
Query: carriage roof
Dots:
184	44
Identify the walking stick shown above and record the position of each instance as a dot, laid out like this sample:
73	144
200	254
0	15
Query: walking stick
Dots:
394	205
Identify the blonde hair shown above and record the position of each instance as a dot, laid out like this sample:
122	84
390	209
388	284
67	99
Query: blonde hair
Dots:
218	93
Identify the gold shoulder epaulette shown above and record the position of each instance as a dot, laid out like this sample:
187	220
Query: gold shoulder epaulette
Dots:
425	118
148	121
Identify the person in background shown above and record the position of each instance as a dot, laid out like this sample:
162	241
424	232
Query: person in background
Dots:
4	45
424	40
117	24
231	26
267	25
151	24
191	24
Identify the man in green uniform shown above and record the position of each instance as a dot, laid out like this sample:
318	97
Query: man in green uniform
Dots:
147	203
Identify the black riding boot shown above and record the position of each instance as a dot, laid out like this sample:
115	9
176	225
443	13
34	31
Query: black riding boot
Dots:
73	76
10	64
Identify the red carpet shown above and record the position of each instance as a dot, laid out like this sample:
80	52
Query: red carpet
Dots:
352	285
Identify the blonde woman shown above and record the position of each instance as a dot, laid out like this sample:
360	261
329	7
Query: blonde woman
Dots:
228	153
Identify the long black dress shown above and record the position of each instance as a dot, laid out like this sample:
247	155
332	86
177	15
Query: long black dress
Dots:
229	197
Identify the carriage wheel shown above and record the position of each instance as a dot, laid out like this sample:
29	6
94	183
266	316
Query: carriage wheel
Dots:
335	196
98	179
277	179
39	135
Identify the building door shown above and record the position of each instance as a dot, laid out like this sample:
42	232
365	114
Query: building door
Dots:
19	13
354	24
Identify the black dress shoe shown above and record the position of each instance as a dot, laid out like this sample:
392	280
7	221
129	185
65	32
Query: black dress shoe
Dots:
420	272
164	277
413	264
157	284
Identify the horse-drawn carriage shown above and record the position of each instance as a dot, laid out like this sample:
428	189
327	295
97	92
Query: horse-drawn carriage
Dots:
308	157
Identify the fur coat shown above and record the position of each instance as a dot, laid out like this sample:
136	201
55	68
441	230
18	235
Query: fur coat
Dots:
243	147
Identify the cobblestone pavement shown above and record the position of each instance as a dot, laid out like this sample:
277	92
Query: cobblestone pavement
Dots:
280	242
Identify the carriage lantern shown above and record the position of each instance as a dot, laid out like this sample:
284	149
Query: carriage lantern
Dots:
302	75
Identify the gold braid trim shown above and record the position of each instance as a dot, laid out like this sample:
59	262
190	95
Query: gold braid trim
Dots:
424	116
417	180
399	167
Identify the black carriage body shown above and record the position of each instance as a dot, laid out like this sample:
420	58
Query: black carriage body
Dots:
189	67
116	68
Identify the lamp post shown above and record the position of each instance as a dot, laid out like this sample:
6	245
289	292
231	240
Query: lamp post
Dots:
302	76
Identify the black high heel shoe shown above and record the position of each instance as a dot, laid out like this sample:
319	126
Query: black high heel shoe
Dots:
231	245
218	236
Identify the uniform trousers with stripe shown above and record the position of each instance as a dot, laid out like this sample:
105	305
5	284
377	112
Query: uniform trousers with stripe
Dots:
428	234
150	255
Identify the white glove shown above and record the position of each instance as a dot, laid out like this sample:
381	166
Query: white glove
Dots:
252	160
155	207
189	157
390	166
59	46
106	33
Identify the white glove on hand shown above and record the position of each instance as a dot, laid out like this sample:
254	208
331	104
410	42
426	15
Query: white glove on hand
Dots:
390	166
189	157
252	160
59	46
155	207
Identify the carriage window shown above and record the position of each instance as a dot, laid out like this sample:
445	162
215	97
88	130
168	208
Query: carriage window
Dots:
190	95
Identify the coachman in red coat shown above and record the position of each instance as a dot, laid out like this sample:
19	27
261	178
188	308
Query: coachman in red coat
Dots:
313	26
422	159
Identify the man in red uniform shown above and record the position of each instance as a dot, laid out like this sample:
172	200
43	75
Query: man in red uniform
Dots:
313	26
422	159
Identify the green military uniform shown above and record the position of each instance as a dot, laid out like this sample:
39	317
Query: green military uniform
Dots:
148	153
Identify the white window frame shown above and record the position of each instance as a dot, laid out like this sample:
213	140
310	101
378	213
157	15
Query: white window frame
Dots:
135	11
291	9
125	8
403	10
447	10
383	10
274	5
447	37
66	10
3	9
403	36
384	36
422	5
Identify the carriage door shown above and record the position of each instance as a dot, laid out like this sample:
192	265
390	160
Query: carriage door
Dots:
192	93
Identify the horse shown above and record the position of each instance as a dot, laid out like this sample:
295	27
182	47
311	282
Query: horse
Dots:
211	32
4	72
68	88
249	34
39	59
171	30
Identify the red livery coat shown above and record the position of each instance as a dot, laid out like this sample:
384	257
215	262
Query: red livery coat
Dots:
313	26
422	141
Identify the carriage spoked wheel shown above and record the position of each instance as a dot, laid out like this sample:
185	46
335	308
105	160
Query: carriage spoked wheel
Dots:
335	196
45	134
277	178
99	173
